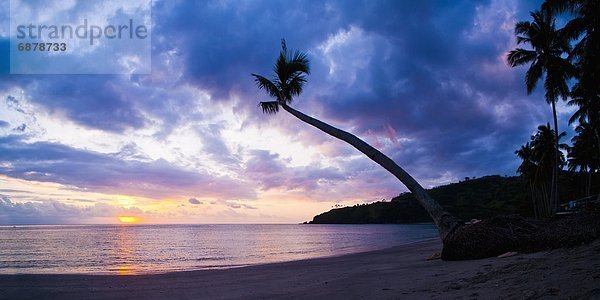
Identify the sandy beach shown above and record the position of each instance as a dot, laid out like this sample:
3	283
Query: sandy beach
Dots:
395	273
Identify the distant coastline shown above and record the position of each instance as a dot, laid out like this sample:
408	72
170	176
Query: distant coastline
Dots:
472	198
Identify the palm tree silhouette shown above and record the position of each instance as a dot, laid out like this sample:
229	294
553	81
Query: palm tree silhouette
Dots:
289	78
544	148
549	44
583	155
529	171
537	167
588	117
584	29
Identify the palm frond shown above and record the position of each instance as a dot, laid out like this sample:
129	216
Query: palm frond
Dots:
522	28
523	40
533	75
520	56
575	117
559	6
298	63
296	84
283	46
267	85
574	29
280	68
579	116
269	107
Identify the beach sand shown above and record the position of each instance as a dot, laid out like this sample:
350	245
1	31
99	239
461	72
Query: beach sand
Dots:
397	273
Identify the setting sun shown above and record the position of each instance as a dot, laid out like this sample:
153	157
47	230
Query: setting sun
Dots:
128	219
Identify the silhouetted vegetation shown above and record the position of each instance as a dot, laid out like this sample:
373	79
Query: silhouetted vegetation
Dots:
476	198
537	168
561	54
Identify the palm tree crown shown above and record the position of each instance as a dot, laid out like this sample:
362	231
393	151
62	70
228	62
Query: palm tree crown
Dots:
584	153
542	144
548	45
537	167
289	79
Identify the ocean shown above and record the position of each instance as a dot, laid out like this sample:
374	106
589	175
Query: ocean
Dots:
149	249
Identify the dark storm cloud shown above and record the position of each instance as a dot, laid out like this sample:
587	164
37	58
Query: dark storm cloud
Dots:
423	80
434	74
95	101
223	42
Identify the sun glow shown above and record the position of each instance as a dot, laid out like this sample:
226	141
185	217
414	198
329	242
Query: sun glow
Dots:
128	219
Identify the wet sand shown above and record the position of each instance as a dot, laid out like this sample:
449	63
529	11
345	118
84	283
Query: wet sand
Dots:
396	273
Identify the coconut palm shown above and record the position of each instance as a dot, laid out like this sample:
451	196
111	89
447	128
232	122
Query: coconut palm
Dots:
290	70
537	167
584	30
528	166
549	44
588	112
528	170
583	155
542	144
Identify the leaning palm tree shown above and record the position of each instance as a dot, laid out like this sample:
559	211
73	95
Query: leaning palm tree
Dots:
288	82
549	44
461	241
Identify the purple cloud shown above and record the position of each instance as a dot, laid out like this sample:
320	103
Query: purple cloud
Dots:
49	162
271	171
194	201
55	212
423	81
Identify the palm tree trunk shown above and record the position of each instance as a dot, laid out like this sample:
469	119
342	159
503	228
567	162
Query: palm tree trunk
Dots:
554	189
595	126
589	183
534	200
543	204
546	208
444	221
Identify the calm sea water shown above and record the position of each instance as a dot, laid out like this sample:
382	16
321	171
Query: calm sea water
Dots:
140	249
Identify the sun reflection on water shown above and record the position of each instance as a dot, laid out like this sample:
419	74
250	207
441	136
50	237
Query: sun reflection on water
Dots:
125	270
125	251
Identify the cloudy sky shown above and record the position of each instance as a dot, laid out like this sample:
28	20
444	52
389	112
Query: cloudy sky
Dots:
426	82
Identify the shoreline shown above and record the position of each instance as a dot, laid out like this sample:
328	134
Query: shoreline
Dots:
218	267
397	272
